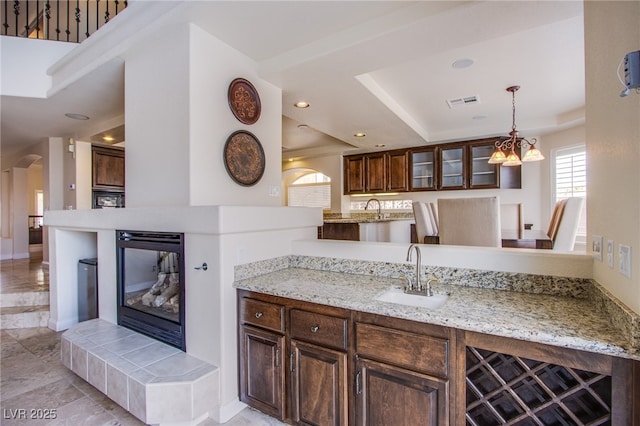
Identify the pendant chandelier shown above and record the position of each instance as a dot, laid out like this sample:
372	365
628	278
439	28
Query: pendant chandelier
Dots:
505	152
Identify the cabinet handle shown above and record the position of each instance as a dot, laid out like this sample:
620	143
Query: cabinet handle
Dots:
315	329
258	314
358	383
291	367
277	357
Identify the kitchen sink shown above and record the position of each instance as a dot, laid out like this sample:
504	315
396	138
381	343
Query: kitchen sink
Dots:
397	295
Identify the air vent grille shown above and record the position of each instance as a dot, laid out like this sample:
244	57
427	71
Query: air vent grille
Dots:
467	100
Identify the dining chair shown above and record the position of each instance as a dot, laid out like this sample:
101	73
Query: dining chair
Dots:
558	209
422	215
434	218
511	218
470	221
564	237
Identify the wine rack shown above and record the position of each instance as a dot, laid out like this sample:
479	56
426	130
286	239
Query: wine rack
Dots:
506	389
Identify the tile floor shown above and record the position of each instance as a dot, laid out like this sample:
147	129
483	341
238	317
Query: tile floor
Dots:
32	376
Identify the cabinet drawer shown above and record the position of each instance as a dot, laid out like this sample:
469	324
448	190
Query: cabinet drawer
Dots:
413	351
318	328
262	314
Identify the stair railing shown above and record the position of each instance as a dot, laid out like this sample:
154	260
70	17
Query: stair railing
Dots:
60	20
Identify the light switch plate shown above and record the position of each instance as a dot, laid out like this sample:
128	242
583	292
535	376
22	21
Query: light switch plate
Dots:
624	260
596	247
610	253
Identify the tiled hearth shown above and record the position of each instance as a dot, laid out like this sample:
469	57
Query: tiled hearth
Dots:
155	382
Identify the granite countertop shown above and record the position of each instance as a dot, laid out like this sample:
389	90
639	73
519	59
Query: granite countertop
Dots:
560	321
363	220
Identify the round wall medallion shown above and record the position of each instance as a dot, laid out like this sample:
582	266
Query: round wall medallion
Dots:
244	158
244	101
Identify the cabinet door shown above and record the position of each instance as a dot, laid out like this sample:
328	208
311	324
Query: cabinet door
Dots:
388	395
481	173
423	170
354	174
453	167
319	385
375	172
108	168
397	171
261	370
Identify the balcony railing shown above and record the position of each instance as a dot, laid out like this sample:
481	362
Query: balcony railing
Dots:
59	20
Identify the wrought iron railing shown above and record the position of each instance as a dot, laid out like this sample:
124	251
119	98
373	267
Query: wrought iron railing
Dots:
59	20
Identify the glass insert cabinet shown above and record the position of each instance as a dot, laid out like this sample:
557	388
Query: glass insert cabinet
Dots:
449	166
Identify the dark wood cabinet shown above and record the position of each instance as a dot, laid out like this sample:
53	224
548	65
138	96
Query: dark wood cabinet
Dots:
450	166
262	378
402	372
339	231
397	171
262	356
453	167
375	172
107	168
388	395
423	169
354	177
349	367
319	385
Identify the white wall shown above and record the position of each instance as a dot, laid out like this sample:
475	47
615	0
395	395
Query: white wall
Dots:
213	66
157	120
613	141
28	76
178	121
84	178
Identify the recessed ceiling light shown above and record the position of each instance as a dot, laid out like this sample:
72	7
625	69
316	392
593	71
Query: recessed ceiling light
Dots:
360	135
480	117
303	126
380	145
108	138
462	63
301	104
75	116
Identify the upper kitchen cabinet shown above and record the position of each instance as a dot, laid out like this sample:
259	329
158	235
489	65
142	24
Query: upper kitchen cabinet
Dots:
453	167
376	172
423	169
108	167
485	175
354	174
450	166
397	171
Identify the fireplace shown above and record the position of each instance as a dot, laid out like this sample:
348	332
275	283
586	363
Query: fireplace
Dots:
151	284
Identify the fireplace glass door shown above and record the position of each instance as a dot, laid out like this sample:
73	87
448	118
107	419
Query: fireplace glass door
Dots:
151	284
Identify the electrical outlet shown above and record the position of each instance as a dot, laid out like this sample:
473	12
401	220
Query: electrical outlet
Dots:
596	247
610	253
624	260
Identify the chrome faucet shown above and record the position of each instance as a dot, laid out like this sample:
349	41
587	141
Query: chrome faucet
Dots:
366	206
417	287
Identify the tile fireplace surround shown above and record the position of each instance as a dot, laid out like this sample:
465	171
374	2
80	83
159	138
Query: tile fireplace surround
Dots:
155	382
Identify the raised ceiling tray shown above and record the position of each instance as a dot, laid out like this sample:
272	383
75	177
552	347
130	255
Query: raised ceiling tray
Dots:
244	158
244	101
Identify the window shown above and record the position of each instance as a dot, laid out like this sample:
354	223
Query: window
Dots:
310	190
570	177
384	205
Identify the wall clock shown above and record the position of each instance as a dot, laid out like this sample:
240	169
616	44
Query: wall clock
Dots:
244	158
244	101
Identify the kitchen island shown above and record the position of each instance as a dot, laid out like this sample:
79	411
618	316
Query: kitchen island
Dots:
478	334
367	228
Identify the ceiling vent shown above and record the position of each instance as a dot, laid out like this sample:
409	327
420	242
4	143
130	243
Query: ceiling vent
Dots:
467	100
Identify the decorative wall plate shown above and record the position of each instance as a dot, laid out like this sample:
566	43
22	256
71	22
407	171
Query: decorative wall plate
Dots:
244	158
244	101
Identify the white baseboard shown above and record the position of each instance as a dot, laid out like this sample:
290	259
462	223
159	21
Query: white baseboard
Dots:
61	325
227	411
